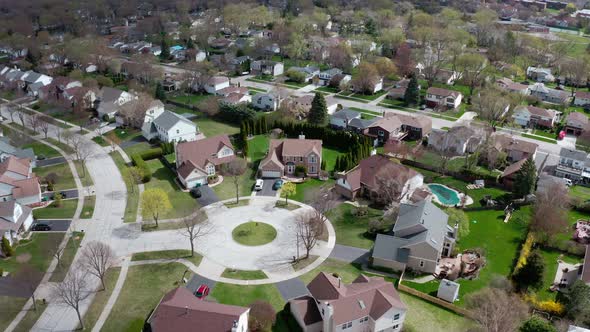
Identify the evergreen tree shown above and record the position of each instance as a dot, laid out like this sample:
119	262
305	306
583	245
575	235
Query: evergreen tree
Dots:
526	177
412	95
371	27
190	44
318	114
323	165
531	273
7	249
165	54
160	94
537	324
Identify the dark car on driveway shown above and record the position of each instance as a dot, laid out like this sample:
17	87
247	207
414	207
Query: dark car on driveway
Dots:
202	292
196	192
63	194
41	227
277	185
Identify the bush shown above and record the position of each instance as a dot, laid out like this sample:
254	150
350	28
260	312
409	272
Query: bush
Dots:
36	107
140	163
6	247
551	307
295	76
236	113
300	170
151	154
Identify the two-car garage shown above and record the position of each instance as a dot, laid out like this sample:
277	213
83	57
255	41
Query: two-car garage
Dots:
270	174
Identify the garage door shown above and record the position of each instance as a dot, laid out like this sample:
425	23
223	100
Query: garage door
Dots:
271	174
196	182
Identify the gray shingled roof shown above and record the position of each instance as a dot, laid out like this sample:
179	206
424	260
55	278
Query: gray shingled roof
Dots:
422	222
391	248
361	123
8	148
573	154
168	119
346	113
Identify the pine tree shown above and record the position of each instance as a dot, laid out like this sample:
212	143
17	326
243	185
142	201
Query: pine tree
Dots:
412	95
524	184
190	44
530	274
160	94
323	165
165	53
7	249
318	114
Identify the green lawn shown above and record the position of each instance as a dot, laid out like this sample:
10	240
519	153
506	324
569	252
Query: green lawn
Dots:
580	192
88	207
369	97
85	177
64	147
254	233
100	141
340	96
188	99
243	275
287	206
350	229
38	249
66	211
64	177
67	257
226	189
246	295
500	242
425	316
329	155
211	127
137	148
232	204
258	147
168	254
144	287
41	149
31	317
542	139
132	190
344	270
163	178
127	134
550	258
328	89
11	306
306	188
101	298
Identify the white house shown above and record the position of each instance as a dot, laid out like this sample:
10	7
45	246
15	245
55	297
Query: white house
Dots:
216	83
582	98
540	74
266	101
378	86
111	99
14	219
368	304
437	97
197	160
168	127
530	116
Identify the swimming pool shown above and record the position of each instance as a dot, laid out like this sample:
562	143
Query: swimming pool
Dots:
444	194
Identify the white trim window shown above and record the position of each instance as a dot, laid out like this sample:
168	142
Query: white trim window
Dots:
312	159
210	169
290	169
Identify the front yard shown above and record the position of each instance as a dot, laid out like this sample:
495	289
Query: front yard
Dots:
163	178
350	229
60	173
306	189
227	189
246	295
65	211
38	249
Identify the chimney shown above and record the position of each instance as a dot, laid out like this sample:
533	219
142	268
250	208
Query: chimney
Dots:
328	314
301	136
339	282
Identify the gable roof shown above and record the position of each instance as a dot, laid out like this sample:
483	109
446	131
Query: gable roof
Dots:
512	169
370	169
509	143
167	120
15	165
201	152
7	213
363	297
346	114
389	123
577	117
573	154
542	112
443	92
180	310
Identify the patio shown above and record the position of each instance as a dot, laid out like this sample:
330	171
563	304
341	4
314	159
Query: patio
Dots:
465	265
582	233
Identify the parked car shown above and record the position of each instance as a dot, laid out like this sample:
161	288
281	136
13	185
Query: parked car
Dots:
259	184
63	194
40	157
196	192
40	227
202	291
277	185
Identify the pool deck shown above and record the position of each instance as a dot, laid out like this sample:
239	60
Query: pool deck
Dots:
468	200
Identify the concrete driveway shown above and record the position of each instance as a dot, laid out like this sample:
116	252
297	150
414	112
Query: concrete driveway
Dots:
208	196
51	161
198	280
57	225
267	188
133	141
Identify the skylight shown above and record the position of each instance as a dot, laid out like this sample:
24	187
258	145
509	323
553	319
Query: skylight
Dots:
362	304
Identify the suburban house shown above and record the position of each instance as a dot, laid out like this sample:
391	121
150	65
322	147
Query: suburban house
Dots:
238	64
308	71
540	74
571	164
375	171
511	86
304	103
180	310
57	87
439	97
421	236
446	76
9	150
215	84
110	101
326	76
378	86
582	98
368	304
266	101
459	140
514	148
266	67
510	173
531	116
17	182
286	154
80	95
549	95
575	123
168	126
197	160
236	98
342	118
398	126
232	89
14	220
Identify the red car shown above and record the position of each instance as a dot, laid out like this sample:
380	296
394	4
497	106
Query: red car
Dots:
202	292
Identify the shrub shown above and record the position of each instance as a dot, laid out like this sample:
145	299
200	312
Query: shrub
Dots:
36	107
295	76
525	251
6	247
300	170
151	154
140	163
551	307
51	178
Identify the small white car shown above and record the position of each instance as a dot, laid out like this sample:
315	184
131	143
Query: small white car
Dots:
258	185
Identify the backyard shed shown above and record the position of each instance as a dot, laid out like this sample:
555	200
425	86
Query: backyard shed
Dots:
448	290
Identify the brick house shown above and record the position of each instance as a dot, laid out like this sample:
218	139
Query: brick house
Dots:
531	116
197	160
575	123
286	154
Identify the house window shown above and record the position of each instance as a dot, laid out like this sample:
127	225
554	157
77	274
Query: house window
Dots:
380	132
312	169
364	319
177	131
396	317
290	168
210	170
312	159
395	326
300	158
421	263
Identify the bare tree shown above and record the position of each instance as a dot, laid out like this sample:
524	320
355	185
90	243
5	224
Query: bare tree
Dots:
235	168
33	121
195	226
133	112
11	110
114	140
497	310
44	125
550	215
491	106
309	229
59	133
390	190
83	152
97	257
28	279
72	291
21	114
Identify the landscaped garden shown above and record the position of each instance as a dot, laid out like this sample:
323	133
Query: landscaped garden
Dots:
254	233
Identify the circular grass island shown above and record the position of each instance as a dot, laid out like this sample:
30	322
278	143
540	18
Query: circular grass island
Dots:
254	233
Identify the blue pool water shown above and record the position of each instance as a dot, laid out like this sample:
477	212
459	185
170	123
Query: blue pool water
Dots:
445	194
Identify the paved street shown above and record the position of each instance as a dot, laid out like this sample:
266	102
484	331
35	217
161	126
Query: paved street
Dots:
57	225
50	161
267	189
292	288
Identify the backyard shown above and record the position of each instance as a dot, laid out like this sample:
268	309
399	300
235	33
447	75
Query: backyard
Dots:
207	125
499	243
350	229
163	178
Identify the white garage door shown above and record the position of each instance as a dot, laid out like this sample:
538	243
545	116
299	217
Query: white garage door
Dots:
271	174
194	182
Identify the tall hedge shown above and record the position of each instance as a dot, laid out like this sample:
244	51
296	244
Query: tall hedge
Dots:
139	162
